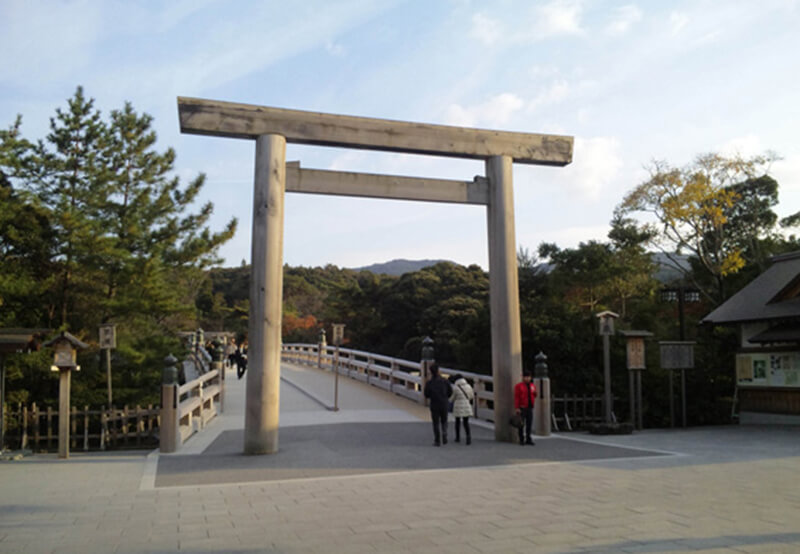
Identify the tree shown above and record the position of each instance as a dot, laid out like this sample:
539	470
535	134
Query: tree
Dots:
66	178
583	272
151	237
96	228
692	207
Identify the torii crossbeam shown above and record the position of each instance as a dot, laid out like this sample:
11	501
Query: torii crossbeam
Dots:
272	128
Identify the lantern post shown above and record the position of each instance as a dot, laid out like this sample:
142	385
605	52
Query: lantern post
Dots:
606	321
65	348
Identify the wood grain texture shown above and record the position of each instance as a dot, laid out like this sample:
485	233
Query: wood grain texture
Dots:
394	187
227	119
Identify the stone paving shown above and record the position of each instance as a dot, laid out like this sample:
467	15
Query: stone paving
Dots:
723	489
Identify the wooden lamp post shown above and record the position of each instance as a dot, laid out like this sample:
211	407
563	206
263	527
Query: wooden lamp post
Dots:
606	321
65	347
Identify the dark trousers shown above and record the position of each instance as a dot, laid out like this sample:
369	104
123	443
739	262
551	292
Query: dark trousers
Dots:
465	422
439	418
527	427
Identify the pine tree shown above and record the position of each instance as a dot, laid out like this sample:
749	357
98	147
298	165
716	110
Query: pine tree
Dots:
66	179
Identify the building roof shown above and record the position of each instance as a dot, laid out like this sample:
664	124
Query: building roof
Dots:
775	294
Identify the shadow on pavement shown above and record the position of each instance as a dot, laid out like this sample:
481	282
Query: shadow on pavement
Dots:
366	448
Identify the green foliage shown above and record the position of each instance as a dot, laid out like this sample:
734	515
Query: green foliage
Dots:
96	228
716	208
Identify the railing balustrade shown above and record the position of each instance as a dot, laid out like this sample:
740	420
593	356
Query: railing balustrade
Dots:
402	377
185	409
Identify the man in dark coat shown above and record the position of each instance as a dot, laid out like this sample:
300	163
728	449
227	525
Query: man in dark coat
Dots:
438	391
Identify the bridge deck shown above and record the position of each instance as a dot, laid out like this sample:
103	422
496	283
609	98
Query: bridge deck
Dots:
365	479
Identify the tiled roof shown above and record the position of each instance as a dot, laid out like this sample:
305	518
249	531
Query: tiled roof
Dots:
757	301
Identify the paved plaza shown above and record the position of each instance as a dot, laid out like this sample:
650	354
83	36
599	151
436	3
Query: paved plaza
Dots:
366	479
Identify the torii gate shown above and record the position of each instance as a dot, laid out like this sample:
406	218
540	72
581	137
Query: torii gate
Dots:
272	128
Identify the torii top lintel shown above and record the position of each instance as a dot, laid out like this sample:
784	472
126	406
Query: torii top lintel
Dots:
227	119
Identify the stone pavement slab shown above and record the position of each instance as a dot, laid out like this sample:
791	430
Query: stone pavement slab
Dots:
363	448
723	489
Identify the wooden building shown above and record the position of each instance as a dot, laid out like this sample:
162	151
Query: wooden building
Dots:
767	315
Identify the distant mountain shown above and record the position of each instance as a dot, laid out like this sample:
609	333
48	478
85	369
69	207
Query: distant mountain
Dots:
666	272
398	267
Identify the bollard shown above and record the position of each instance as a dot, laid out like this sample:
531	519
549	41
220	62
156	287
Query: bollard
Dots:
542	409
169	440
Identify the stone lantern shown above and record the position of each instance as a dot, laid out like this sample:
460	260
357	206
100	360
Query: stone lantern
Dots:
65	347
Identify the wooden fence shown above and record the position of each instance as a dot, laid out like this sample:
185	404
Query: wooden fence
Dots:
196	403
36	428
402	377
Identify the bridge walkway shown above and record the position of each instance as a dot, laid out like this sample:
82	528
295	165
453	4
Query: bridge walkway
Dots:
342	483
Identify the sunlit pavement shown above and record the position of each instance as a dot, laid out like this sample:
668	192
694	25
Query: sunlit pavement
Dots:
366	479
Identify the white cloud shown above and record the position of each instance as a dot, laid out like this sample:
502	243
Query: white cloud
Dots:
560	17
746	146
596	163
552	94
553	19
485	29
624	18
496	111
787	173
677	22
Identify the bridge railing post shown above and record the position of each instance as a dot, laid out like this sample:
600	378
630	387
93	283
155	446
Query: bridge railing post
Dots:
392	369
479	389
542	406
219	365
170	432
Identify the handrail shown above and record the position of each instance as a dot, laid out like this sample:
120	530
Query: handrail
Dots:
187	408
402	377
395	375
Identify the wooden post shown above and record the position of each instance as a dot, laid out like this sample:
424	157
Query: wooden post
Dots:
23	443
50	427
85	428
639	399
35	417
108	373
671	400
503	293
632	396
608	402
266	293
169	433
139	425
74	424
683	397
63	413
542	408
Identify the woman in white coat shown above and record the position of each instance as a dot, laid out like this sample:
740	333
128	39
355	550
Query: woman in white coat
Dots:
462	398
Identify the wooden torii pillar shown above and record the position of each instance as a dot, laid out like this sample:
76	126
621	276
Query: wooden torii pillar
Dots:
272	128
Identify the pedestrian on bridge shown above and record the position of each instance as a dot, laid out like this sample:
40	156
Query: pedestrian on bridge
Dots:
438	391
524	398
461	398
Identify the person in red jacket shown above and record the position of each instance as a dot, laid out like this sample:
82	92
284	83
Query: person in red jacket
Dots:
524	398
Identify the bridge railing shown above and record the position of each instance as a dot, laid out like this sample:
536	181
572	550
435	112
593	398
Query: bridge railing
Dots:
402	377
395	375
185	409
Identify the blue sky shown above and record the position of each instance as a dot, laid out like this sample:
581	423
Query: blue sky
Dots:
631	81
